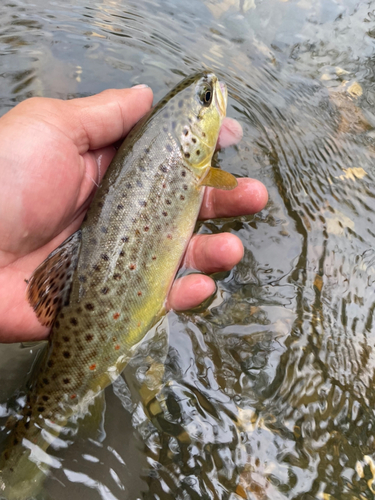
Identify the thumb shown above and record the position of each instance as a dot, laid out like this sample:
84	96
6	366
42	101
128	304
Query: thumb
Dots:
103	119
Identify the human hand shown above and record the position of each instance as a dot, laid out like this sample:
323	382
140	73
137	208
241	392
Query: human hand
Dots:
53	154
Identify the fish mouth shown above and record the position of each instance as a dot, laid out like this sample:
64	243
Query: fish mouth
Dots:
221	95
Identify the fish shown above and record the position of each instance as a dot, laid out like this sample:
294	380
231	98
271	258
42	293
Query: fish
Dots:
106	286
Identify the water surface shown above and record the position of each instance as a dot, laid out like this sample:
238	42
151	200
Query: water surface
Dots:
267	390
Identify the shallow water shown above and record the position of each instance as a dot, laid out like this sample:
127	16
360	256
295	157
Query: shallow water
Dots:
266	391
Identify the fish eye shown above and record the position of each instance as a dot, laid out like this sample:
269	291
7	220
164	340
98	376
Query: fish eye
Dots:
205	96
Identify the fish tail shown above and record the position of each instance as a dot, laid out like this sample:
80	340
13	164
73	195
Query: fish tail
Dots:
23	468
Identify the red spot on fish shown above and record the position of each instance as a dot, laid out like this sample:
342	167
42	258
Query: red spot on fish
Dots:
169	236
93	366
139	324
117	347
139	294
164	186
132	267
73	396
116	316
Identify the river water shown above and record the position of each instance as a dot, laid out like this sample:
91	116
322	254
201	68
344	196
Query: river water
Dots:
267	390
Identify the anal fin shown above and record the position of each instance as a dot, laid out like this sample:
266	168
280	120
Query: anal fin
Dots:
49	286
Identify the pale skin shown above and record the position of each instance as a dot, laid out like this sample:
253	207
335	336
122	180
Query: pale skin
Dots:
53	155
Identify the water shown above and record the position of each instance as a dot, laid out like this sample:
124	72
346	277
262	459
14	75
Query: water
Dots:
267	390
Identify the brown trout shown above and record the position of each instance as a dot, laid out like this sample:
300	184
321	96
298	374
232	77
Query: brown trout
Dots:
105	286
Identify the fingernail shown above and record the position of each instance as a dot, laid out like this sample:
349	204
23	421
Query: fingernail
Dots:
140	86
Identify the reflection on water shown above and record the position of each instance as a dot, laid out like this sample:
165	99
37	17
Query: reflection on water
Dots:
268	390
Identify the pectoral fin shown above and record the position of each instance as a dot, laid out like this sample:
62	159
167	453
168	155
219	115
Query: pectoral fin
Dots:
49	286
219	179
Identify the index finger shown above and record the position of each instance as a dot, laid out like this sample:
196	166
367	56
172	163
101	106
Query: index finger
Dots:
249	197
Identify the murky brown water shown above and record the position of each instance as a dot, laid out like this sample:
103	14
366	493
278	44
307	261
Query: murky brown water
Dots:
267	392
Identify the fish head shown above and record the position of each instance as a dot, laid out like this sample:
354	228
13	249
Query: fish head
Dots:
199	106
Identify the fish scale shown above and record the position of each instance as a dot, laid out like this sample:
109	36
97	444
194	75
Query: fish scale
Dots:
116	271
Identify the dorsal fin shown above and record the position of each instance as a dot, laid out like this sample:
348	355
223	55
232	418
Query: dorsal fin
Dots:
219	179
49	286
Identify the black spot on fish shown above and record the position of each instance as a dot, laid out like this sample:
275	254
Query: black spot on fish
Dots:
122	253
124	239
45	380
180	103
66	354
183	173
146	228
105	257
96	267
147	150
203	134
139	183
194	140
74	321
164	168
169	148
187	155
103	229
50	363
45	397
197	152
174	125
168	202
142	168
120	207
182	197
165	214
186	131
185	187
15	441
89	337
100	204
27	425
165	128
117	276
66	338
89	306
41	409
128	185
66	380
143	203
57	324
